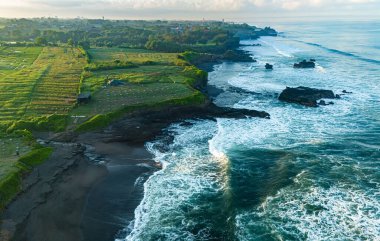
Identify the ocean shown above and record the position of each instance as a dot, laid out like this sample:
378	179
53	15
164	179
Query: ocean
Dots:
305	174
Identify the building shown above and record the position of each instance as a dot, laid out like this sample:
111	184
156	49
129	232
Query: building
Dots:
84	97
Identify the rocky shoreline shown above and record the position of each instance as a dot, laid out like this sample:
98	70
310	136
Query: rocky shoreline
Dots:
93	182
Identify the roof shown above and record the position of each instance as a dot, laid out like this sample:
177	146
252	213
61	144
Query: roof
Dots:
84	95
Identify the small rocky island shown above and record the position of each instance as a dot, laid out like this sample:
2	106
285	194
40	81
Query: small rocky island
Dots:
304	64
268	66
307	96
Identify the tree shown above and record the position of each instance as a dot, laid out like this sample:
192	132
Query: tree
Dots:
84	44
70	42
41	41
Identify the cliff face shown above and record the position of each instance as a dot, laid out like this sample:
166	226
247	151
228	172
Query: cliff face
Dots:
255	33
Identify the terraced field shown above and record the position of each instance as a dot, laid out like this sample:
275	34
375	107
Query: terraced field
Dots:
36	81
56	90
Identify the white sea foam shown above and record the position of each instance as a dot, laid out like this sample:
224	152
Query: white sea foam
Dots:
196	162
281	48
189	171
315	213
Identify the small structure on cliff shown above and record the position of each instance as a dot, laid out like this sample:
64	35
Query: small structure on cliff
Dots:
84	97
115	82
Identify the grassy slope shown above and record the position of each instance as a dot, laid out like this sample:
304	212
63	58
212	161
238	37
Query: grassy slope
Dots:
13	167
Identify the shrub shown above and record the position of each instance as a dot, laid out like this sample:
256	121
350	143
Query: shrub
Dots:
36	156
98	121
9	187
53	122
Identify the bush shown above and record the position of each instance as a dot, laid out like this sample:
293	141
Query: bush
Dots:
197	75
9	187
53	122
98	121
110	66
36	157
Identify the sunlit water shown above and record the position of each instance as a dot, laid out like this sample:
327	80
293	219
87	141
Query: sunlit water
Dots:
305	174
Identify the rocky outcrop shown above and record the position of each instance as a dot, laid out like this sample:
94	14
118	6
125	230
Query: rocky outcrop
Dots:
237	56
268	66
306	96
305	64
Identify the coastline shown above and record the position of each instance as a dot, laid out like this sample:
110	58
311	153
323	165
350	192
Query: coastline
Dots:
85	189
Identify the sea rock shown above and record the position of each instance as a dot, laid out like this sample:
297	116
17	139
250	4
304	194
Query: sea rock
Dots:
346	92
324	103
268	66
305	64
306	96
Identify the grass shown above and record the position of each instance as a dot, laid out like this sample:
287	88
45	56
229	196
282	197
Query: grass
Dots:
143	74
36	156
112	98
13	167
137	56
144	85
8	157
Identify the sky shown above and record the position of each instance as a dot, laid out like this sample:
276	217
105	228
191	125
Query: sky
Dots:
230	10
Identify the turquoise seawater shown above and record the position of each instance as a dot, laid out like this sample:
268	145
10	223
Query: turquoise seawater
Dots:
305	174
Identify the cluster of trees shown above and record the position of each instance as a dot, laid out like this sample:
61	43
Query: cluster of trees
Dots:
168	36
199	39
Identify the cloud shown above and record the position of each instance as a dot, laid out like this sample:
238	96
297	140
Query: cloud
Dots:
192	8
210	5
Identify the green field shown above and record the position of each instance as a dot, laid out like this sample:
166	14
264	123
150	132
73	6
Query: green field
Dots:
138	56
39	85
144	84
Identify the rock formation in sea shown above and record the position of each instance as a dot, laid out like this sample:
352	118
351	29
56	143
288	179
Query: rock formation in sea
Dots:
306	96
268	66
304	64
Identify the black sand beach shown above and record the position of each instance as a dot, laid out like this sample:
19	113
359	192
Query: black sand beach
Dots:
87	190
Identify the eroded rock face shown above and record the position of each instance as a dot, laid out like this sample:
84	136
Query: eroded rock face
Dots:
305	96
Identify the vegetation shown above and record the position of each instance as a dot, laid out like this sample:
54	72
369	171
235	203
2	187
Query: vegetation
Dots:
36	156
155	78
165	36
45	63
13	167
